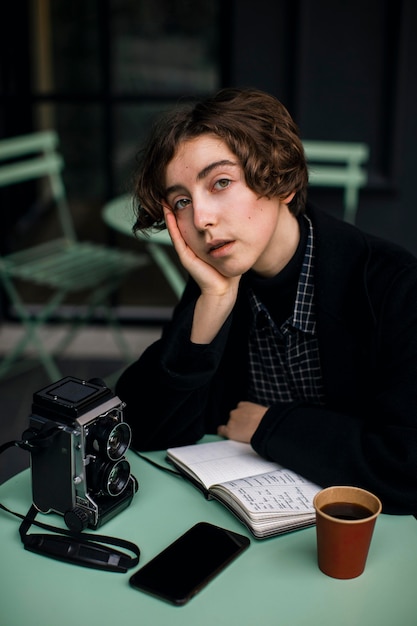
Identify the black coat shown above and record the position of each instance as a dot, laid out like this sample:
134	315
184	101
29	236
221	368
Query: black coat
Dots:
365	435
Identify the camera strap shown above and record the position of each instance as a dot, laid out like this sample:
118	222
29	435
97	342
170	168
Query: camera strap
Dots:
74	547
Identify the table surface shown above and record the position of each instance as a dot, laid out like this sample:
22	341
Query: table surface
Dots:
118	214
276	581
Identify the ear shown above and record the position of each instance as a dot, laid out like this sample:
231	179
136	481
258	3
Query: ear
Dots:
288	198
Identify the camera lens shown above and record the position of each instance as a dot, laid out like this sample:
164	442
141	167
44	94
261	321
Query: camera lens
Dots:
110	479
117	478
118	441
110	438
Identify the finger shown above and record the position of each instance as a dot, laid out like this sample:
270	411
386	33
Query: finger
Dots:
222	430
170	221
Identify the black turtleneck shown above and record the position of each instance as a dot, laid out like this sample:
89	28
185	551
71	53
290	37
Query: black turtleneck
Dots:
278	293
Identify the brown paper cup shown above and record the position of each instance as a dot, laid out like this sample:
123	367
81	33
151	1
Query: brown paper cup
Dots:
343	538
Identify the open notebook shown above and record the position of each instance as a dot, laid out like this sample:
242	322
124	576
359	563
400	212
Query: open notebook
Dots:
268	498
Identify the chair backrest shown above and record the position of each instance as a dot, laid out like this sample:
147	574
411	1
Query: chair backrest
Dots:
35	156
339	164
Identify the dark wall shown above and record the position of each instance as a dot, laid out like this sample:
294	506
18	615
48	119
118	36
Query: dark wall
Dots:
347	71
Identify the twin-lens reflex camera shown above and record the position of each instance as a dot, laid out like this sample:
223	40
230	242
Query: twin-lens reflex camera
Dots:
78	441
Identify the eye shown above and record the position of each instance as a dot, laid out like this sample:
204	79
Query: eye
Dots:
222	183
181	204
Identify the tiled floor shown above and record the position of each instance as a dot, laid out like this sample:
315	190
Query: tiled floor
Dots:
93	342
93	354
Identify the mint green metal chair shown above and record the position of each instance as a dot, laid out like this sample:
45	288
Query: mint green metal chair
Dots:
64	265
339	164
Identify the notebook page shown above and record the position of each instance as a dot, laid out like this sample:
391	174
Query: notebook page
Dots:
281	492
221	461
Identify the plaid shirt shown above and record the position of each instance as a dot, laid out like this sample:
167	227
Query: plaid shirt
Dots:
285	361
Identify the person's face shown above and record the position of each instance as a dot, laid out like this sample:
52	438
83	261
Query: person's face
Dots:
220	218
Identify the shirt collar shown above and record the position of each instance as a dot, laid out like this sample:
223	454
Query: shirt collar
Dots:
303	317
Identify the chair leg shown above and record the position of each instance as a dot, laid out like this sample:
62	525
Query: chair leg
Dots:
119	339
351	198
171	273
98	299
11	364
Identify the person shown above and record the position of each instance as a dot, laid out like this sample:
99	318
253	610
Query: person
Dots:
296	332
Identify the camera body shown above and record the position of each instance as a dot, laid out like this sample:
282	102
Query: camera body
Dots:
78	443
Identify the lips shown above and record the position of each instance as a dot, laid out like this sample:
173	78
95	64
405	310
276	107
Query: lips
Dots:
220	248
215	245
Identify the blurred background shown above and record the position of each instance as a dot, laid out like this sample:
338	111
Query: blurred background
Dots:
98	71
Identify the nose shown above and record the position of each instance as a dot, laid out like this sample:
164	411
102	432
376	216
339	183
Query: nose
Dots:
204	213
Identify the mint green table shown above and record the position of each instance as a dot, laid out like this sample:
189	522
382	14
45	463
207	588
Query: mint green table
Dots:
118	214
275	582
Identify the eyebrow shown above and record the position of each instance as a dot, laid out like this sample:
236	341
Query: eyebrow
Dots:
203	174
207	170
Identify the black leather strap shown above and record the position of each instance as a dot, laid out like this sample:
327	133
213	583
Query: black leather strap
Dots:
78	548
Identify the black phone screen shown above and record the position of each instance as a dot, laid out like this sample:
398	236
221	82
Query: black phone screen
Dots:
183	568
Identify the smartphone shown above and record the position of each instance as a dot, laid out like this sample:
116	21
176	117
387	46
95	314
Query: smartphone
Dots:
183	568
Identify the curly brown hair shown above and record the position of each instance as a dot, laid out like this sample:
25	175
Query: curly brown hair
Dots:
255	126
